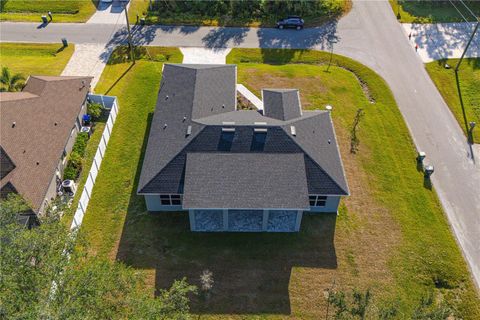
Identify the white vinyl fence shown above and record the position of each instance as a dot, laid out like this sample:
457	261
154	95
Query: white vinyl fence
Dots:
111	104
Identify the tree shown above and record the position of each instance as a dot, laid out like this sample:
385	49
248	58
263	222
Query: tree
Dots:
11	82
31	260
354	141
95	110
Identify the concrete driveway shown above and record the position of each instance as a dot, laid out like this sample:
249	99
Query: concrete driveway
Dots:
369	34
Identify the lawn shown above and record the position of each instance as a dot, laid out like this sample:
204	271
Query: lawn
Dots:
35	59
434	11
62	11
390	235
460	91
221	15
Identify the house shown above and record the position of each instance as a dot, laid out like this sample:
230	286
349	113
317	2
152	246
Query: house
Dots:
38	128
238	170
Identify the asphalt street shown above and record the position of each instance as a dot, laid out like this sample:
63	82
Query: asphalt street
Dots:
370	34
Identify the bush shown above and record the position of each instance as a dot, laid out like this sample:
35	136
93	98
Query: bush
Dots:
70	173
95	110
80	144
74	166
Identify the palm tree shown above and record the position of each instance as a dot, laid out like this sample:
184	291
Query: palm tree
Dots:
11	83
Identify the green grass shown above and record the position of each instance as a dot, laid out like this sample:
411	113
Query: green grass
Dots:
390	235
463	97
136	87
433	12
35	59
62	11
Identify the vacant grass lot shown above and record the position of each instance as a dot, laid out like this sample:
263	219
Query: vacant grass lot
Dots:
249	19
35	59
434	11
461	91
390	234
62	10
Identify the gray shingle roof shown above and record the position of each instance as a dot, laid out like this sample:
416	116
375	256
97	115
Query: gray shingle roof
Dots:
181	98
164	168
245	181
281	104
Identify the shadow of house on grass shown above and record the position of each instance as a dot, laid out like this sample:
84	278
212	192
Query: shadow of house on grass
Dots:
251	271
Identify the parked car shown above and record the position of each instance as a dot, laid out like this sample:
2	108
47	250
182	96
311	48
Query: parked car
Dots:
291	22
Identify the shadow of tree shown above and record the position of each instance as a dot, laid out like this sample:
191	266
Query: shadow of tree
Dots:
442	40
224	37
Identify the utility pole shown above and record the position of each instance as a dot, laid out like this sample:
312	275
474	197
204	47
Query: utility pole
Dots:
466	48
130	45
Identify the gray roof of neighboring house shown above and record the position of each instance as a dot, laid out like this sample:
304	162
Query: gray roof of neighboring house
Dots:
35	126
281	104
245	181
201	101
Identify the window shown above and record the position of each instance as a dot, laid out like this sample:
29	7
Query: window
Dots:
226	140
258	141
317	201
170	200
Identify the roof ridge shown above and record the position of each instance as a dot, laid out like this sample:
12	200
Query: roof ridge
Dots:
319	166
139	189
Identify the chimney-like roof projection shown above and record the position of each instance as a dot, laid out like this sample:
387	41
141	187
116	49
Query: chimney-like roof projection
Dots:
199	122
281	104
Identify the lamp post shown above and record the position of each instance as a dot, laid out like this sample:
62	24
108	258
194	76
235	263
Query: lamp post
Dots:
331	40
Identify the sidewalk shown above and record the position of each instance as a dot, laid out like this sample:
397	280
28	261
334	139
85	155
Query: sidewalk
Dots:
442	40
204	55
88	59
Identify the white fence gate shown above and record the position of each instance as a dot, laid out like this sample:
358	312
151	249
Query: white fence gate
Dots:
108	103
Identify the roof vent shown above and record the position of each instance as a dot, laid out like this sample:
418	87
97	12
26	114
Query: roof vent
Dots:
184	118
14	124
166	97
165	126
189	131
228	129
293	131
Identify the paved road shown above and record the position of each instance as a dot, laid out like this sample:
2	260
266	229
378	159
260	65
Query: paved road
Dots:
369	34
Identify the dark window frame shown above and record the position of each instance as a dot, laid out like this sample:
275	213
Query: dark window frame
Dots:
170	199
317	200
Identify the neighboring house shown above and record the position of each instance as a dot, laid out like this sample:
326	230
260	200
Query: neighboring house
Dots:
238	170
38	128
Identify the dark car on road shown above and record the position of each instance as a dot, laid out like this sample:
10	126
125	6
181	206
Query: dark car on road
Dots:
291	22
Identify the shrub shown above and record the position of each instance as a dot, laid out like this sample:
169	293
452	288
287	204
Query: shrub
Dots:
70	173
74	166
95	110
80	144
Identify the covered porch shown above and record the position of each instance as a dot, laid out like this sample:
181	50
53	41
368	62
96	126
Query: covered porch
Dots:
245	220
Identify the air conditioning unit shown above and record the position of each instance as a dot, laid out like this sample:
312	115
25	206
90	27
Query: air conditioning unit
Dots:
69	187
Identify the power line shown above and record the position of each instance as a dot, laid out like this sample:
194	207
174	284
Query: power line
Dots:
470	10
465	19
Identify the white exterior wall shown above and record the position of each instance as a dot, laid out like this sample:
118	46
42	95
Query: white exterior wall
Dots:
153	204
330	206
